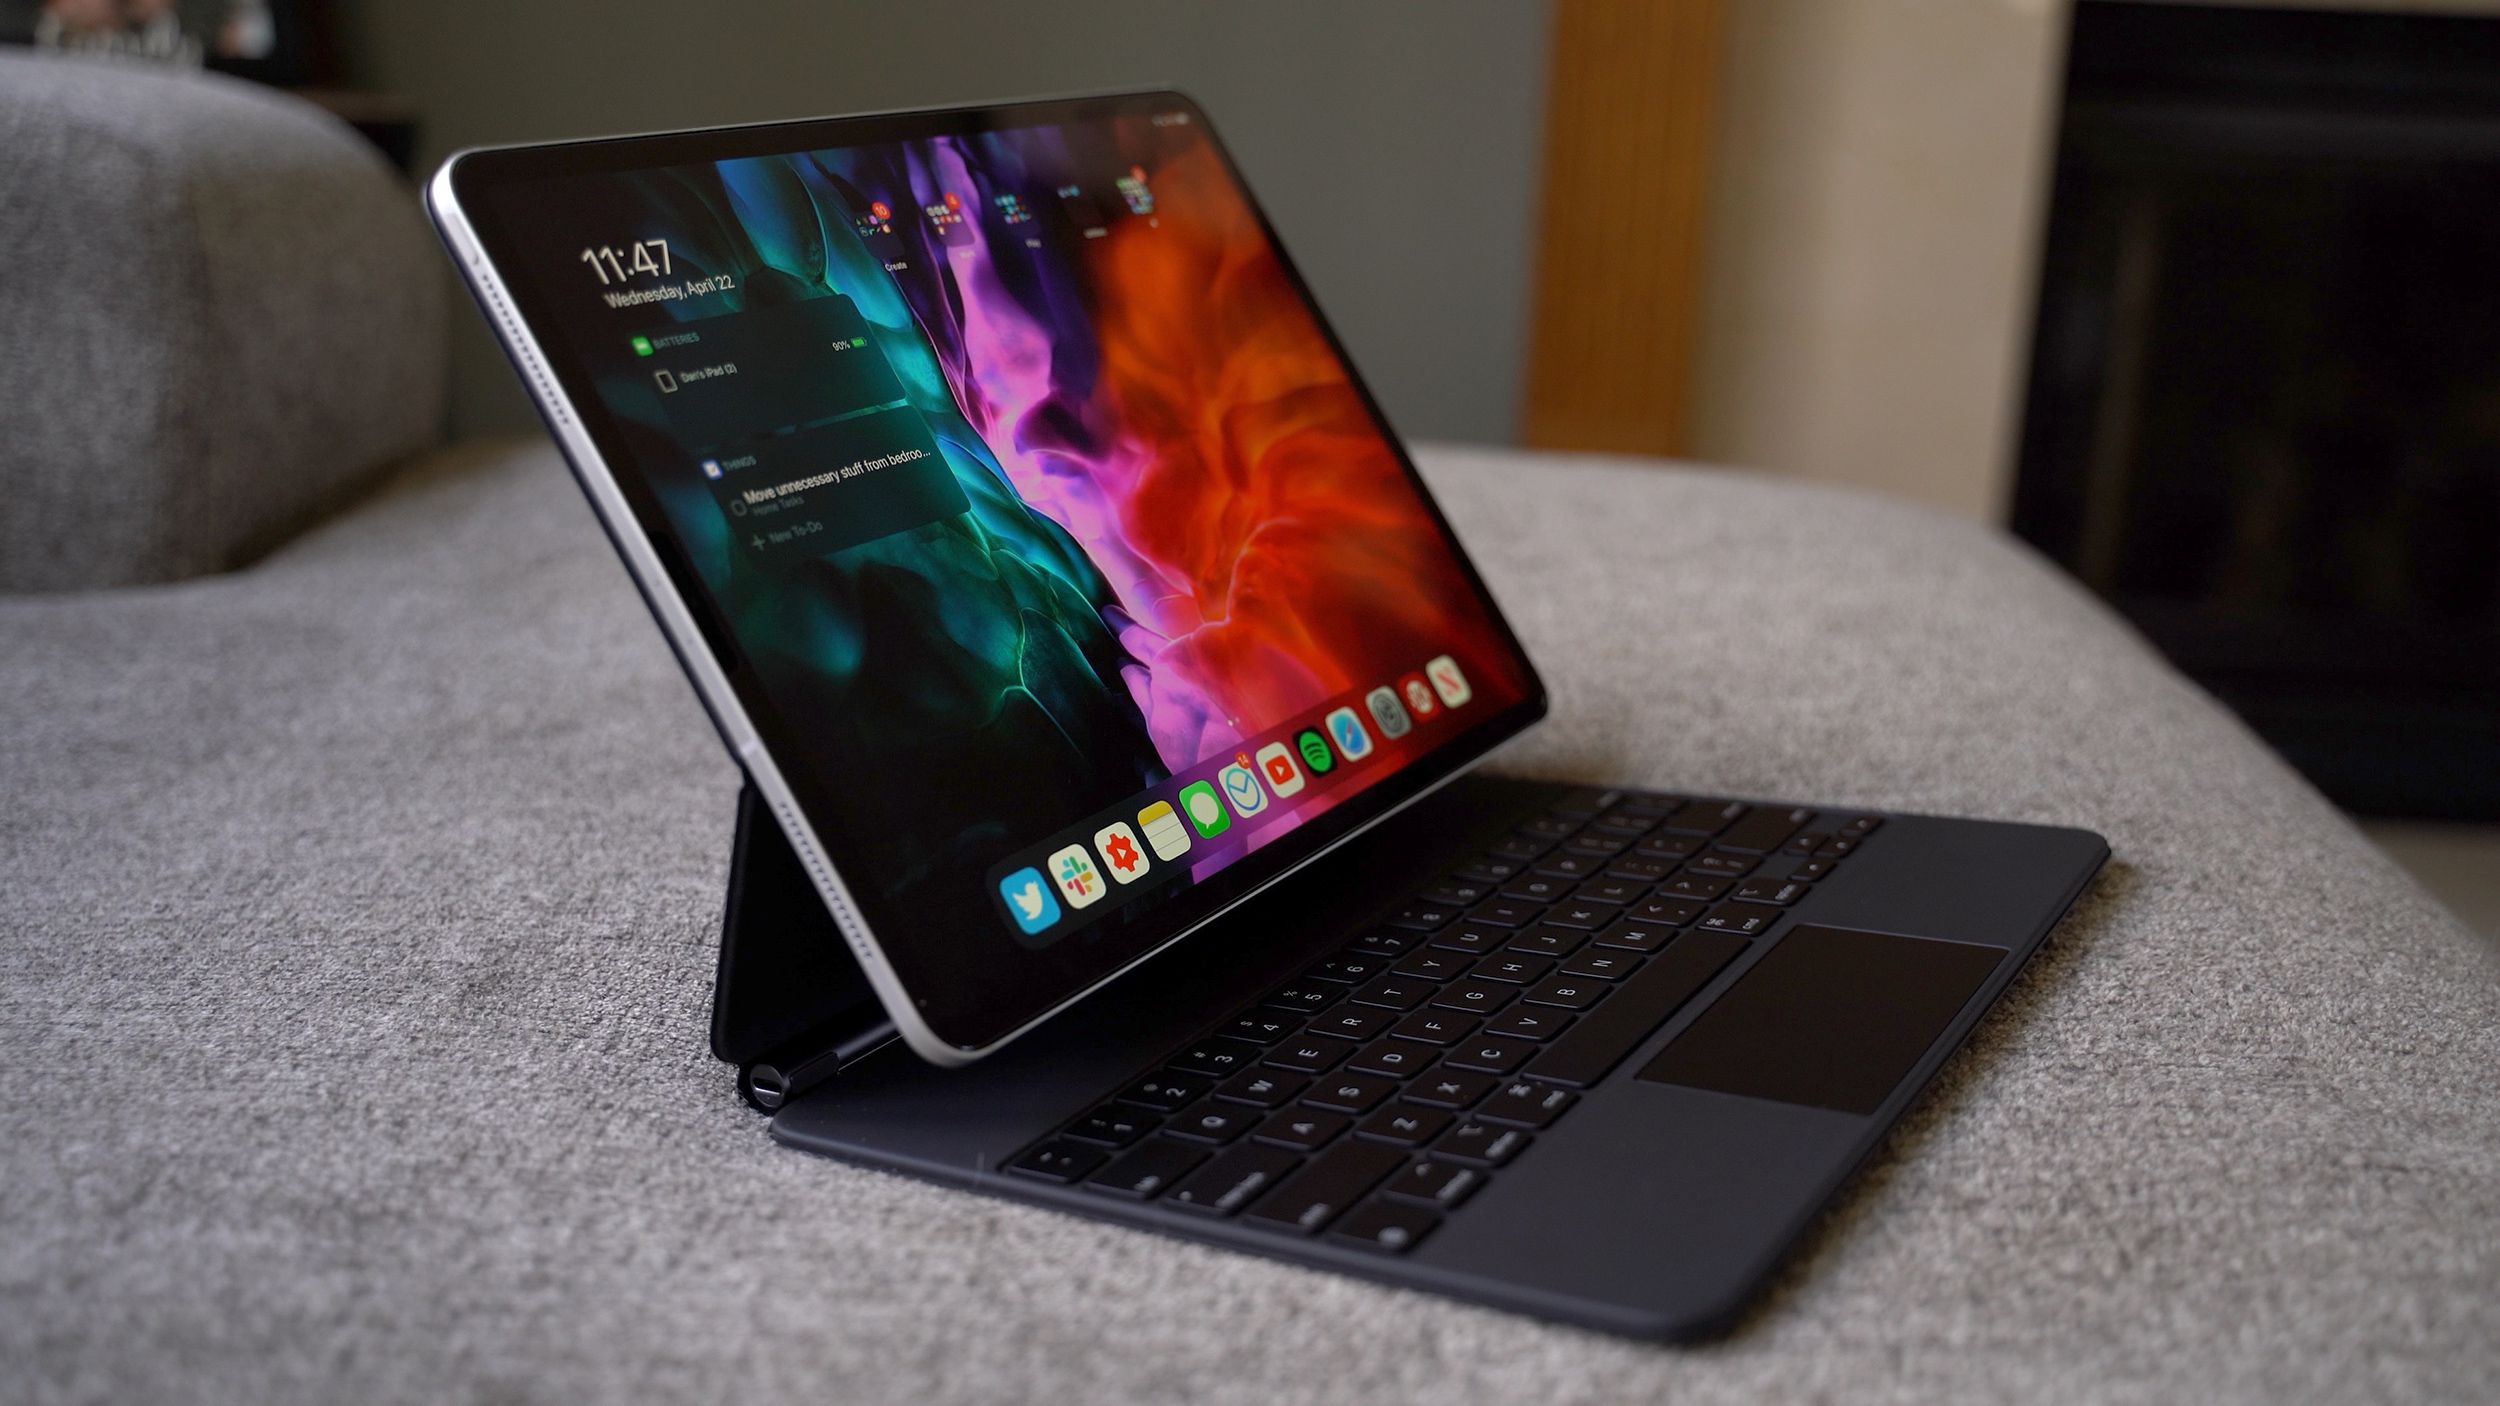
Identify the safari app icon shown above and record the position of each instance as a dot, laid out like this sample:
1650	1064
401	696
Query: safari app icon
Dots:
1347	730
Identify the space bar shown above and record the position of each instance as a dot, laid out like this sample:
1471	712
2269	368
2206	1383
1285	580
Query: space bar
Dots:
1600	1039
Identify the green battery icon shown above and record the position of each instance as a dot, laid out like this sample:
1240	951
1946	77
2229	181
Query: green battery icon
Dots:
642	346
859	341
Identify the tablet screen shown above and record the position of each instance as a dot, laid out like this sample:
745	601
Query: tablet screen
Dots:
1068	573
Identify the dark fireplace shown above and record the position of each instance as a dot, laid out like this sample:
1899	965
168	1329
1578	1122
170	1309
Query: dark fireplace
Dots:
2264	405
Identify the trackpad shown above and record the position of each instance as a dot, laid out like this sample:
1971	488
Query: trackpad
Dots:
1831	1018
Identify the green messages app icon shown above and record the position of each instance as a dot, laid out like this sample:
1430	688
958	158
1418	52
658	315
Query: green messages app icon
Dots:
1198	802
1315	753
642	346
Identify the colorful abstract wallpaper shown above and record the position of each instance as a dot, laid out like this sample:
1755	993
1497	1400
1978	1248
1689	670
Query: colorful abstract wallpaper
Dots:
1084	498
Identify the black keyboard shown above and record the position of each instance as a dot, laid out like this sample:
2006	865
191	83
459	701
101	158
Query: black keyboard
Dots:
1375	1093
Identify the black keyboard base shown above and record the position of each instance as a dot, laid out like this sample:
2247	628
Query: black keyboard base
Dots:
1419	1063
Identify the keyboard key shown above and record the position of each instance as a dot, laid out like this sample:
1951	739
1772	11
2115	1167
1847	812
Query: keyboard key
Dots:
1505	912
1393	1058
1835	849
1475	997
1568	867
1497	868
1488	1056
1435	1027
1387	1226
1715	865
1779	891
1666	847
1263	1088
1234	1179
1349	1093
1114	1126
1602	964
1429	965
1765	830
1304	998
1212	1122
1693	886
1383	943
1422	917
1346	971
1601	1039
1480	1144
1517	968
1571	993
1148	1169
1585	802
1744	919
1167	1092
1529	1023
1261	1027
1806	843
1450	1088
1599	845
1552	827
1549	942
1521	849
1443	1184
1705	817
1640	871
1535	889
1636	936
1587	917
1406	1124
1302	1129
1396	993
1310	1054
1059	1160
1456	893
1470	937
1526	1105
1668	912
1220	1058
1611	891
1312	1197
1352	1024
1808	870
1860	828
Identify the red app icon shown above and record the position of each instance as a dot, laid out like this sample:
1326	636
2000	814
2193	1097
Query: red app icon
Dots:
1420	699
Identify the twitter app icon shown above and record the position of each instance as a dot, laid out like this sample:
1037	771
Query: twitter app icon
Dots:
1029	899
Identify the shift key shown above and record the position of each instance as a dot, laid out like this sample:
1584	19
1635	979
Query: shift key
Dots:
1322	1191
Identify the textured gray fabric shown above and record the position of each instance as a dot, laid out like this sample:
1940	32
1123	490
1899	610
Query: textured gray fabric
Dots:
359	938
223	315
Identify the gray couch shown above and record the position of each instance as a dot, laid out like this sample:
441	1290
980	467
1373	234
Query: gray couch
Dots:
360	904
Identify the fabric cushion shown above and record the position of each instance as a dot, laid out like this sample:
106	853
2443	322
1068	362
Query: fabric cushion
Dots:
223	315
360	938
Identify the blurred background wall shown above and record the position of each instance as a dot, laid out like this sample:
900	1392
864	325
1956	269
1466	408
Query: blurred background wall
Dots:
1394	145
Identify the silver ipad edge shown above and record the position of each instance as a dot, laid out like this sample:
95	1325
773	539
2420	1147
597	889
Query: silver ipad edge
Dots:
704	671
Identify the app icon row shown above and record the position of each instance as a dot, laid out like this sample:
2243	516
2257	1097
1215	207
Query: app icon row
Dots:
1242	790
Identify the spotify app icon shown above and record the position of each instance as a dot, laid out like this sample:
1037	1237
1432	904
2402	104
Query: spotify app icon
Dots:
1315	753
